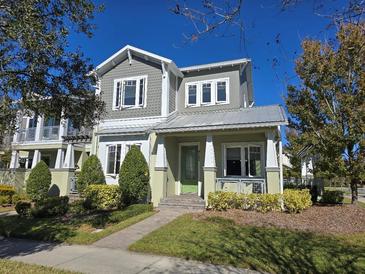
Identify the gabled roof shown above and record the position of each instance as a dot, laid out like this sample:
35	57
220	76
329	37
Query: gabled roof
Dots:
262	116
123	54
216	65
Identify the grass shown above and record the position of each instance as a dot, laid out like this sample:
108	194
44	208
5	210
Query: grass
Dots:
6	208
13	267
348	201
221	241
78	229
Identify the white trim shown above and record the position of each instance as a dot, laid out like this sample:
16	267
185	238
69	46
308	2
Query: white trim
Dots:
213	92
165	90
121	97
178	183
218	64
242	146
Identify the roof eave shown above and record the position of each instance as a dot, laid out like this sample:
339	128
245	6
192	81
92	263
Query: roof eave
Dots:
215	65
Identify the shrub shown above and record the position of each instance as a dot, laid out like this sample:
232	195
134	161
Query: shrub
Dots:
332	197
91	173
102	197
7	190
5	199
134	178
51	206
39	182
19	197
77	207
23	208
296	200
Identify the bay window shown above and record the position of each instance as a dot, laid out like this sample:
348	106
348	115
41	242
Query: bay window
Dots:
130	92
243	160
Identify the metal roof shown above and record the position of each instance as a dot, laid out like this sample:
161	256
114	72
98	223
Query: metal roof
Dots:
123	130
262	116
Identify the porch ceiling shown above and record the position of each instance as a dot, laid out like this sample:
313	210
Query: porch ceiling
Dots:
265	116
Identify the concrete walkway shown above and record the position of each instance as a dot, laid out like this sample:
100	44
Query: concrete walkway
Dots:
131	234
91	259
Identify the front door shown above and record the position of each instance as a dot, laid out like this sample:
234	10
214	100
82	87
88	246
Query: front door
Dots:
189	169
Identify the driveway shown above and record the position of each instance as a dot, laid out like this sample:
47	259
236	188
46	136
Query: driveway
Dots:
91	259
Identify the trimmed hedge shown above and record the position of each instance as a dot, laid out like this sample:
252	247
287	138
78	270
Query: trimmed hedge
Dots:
38	182
102	197
23	208
91	173
6	190
294	201
134	178
51	206
19	197
332	197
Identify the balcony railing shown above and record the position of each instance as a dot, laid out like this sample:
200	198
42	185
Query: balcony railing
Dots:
50	133
241	185
26	135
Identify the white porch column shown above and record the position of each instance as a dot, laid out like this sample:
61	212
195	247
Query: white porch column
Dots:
165	90
281	165
14	162
70	157
63	128
271	155
210	168
36	157
161	161
59	158
272	165
39	128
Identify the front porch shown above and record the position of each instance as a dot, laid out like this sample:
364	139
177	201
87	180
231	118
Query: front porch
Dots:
196	163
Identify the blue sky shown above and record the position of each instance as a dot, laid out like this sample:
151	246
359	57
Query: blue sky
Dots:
150	25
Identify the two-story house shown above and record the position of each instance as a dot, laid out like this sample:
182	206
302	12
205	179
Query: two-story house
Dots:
197	127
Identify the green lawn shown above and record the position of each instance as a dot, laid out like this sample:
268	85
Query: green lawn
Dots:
78	229
220	241
13	267
348	201
6	208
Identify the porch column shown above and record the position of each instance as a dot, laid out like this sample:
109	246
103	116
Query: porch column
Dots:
160	180
272	165
14	162
36	157
63	128
39	128
210	168
59	158
70	157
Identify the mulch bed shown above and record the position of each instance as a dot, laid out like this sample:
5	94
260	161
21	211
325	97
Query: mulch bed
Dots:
338	219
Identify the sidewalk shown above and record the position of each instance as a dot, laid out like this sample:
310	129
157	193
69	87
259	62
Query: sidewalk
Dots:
91	259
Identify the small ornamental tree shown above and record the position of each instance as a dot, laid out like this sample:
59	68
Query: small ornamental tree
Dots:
134	178
91	173
38	182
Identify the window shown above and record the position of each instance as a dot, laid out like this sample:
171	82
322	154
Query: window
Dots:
130	92
207	94
221	91
252	155
210	92
113	159
192	94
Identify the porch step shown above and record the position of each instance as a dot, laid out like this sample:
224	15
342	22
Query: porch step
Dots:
184	201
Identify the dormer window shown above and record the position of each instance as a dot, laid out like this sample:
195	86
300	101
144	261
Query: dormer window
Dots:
130	92
207	93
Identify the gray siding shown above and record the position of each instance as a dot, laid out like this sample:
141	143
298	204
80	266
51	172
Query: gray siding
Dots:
235	98
172	93
154	86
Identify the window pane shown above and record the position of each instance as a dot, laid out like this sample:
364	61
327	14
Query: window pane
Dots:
130	93
206	93
234	161
111	160
117	94
141	91
117	161
255	161
221	92
192	95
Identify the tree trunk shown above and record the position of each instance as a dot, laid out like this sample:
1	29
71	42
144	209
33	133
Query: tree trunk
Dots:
354	190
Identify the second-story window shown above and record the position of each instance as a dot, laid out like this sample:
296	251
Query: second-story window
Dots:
130	92
192	94
206	93
221	91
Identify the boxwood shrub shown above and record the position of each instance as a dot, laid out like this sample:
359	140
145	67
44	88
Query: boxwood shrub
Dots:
6	190
38	182
23	208
102	197
91	173
50	207
19	197
296	200
5	200
332	197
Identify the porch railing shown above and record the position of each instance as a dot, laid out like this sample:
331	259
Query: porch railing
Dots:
50	133
26	135
241	185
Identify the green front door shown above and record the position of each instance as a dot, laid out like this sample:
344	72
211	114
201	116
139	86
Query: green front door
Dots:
189	169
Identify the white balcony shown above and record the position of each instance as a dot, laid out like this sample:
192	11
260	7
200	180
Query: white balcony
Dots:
51	133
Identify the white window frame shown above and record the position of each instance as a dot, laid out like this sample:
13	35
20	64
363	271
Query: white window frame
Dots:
244	145
213	96
121	96
115	158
